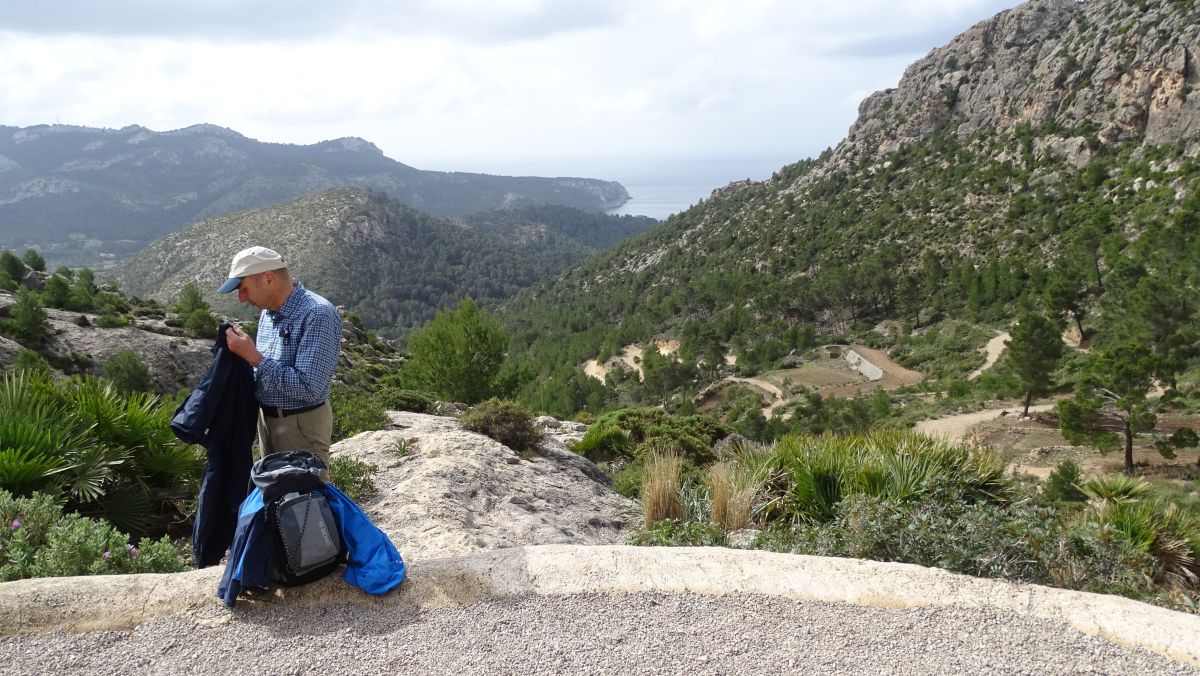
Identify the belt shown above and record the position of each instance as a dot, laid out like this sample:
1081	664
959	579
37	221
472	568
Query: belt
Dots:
276	412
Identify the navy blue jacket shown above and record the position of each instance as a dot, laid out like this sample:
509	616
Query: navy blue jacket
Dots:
373	564
221	415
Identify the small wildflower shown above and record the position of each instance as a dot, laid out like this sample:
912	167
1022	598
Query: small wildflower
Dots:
133	551
106	554
16	524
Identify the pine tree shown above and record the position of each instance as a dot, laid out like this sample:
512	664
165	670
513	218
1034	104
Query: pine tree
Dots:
1033	353
457	355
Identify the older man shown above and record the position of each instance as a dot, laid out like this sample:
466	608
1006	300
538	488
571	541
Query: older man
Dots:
294	353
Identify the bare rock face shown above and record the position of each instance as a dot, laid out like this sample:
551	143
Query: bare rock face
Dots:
8	352
444	491
1122	71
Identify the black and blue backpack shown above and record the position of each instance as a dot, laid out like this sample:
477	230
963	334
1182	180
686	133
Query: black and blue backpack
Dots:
306	542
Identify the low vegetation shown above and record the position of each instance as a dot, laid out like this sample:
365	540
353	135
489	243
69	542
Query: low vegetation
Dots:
901	496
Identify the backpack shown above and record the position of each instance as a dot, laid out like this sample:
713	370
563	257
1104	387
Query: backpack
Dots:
306	543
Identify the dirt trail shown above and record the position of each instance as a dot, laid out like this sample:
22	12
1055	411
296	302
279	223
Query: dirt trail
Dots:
956	427
994	348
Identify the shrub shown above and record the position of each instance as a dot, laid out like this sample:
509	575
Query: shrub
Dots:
661	482
110	320
604	442
128	372
505	421
397	399
28	324
668	533
38	540
1063	483
201	323
819	472
354	477
34	260
692	435
355	412
28	360
628	480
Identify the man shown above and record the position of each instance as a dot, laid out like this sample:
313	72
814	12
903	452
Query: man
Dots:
294	354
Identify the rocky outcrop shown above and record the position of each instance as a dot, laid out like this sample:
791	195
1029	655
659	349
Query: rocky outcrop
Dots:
444	491
80	346
1123	71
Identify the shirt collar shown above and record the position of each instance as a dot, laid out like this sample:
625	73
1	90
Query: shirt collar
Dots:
293	302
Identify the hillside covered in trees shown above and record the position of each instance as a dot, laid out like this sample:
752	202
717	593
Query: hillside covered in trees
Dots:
391	264
1046	160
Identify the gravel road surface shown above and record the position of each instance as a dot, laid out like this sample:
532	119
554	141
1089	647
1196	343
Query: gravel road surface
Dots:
589	633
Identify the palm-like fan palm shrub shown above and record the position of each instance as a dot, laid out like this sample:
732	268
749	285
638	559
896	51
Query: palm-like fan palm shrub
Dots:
817	473
108	453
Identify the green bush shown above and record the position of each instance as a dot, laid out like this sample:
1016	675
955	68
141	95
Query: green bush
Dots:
603	442
630	432
28	322
38	540
1018	542
355	412
397	399
128	372
817	473
505	421
669	533
354	477
201	323
28	360
1063	483
112	321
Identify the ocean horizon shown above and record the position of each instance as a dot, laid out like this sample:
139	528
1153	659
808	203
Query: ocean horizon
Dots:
674	188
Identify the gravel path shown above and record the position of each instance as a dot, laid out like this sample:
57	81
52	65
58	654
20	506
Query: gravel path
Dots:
590	633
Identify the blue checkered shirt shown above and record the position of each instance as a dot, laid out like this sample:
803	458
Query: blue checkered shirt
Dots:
300	345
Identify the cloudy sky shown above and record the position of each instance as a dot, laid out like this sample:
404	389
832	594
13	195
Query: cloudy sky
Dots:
503	86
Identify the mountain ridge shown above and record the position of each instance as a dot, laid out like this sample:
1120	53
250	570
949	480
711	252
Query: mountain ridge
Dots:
82	194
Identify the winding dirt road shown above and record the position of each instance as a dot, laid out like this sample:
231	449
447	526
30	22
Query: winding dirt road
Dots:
957	427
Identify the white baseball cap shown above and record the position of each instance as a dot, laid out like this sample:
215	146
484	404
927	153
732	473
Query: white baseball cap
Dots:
248	262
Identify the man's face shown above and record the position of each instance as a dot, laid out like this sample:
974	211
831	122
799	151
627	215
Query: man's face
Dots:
254	290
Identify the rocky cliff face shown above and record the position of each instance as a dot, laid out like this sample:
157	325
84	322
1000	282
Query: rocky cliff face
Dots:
1123	70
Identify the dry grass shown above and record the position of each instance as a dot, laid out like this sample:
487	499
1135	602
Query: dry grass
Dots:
732	489
660	488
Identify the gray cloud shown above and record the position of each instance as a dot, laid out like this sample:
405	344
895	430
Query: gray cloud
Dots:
301	19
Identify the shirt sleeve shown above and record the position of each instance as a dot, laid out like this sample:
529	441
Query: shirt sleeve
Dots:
316	360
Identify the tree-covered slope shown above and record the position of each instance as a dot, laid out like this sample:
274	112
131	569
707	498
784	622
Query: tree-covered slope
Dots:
1046	156
392	264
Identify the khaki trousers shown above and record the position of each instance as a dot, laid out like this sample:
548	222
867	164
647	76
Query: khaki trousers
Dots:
309	431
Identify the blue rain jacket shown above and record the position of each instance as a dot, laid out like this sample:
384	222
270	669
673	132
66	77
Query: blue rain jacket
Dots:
221	414
373	564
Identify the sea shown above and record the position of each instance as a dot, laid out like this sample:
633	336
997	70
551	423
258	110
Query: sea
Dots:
663	189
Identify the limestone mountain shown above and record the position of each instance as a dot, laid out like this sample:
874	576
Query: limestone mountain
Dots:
392	264
1054	146
80	194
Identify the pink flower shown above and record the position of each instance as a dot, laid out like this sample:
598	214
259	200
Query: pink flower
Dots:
15	524
133	551
106	554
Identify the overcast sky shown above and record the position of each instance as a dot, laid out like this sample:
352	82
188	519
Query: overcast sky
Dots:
503	86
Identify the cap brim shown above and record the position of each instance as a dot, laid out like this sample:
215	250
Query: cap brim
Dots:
230	284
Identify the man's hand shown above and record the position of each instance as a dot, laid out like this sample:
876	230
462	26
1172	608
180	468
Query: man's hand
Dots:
242	345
